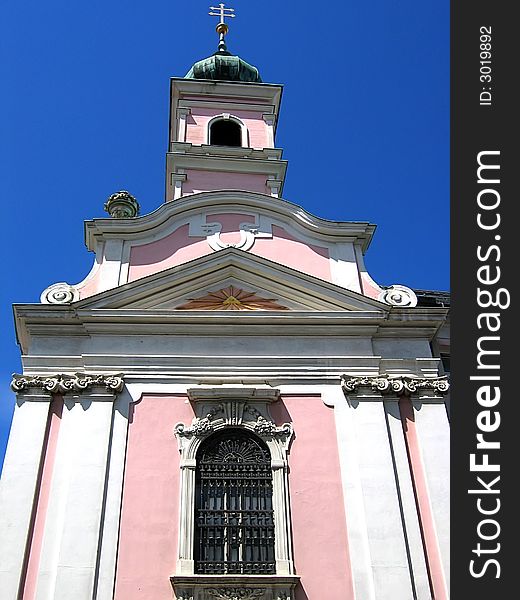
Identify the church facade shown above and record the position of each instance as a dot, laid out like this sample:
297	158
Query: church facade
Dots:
228	406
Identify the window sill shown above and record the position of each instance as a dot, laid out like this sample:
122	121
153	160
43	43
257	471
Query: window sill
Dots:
234	587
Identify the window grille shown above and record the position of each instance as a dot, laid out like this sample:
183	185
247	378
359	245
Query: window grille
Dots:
233	508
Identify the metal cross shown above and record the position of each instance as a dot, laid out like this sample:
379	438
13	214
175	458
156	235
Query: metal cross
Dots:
223	12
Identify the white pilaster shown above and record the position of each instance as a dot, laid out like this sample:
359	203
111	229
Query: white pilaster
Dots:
274	185
185	563
407	497
72	528
432	427
343	266
352	494
177	180
112	259
269	119
182	114
18	485
386	541
114	493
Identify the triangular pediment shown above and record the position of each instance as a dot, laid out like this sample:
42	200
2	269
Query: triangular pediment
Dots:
231	279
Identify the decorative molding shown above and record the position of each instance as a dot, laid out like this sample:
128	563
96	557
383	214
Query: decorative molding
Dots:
63	383
59	293
231	298
403	385
260	228
398	295
234	587
317	230
200	426
236	593
122	205
233	415
246	408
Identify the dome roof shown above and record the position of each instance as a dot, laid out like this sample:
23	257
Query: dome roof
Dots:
224	66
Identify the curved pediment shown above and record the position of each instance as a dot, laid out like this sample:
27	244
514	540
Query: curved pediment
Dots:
228	201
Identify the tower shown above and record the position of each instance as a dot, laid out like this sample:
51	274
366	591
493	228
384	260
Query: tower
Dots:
227	406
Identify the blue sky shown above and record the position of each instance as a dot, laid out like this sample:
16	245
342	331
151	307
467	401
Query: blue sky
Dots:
84	113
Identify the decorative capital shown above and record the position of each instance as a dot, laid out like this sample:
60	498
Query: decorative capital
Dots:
122	205
63	383
398	295
404	385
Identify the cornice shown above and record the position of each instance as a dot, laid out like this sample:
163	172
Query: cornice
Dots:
272	154
229	200
232	164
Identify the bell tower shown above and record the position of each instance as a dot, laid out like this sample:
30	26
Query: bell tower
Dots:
222	127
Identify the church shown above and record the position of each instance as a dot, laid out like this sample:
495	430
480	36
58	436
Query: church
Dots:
228	406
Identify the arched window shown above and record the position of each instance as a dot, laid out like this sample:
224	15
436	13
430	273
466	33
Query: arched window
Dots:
234	518
225	132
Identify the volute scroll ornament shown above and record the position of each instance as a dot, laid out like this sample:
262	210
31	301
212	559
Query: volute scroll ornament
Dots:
398	295
59	293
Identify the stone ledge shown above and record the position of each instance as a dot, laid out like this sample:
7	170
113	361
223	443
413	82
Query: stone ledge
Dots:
234	587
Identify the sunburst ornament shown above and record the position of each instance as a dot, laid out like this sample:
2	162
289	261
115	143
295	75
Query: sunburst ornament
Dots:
231	298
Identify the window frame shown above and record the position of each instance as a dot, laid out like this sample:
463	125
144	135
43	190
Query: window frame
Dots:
243	408
229	117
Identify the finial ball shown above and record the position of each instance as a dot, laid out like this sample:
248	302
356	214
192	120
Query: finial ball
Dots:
222	28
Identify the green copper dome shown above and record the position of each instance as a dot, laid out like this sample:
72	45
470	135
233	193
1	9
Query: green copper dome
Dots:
224	66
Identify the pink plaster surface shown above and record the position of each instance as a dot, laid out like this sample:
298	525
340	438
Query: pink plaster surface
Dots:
318	517
370	289
197	125
36	531
150	512
287	250
178	248
173	249
422	499
207	181
90	285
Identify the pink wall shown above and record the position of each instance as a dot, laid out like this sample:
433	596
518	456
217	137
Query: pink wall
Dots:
173	249
90	286
43	486
207	181
318	517
150	512
370	288
197	125
177	248
289	251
